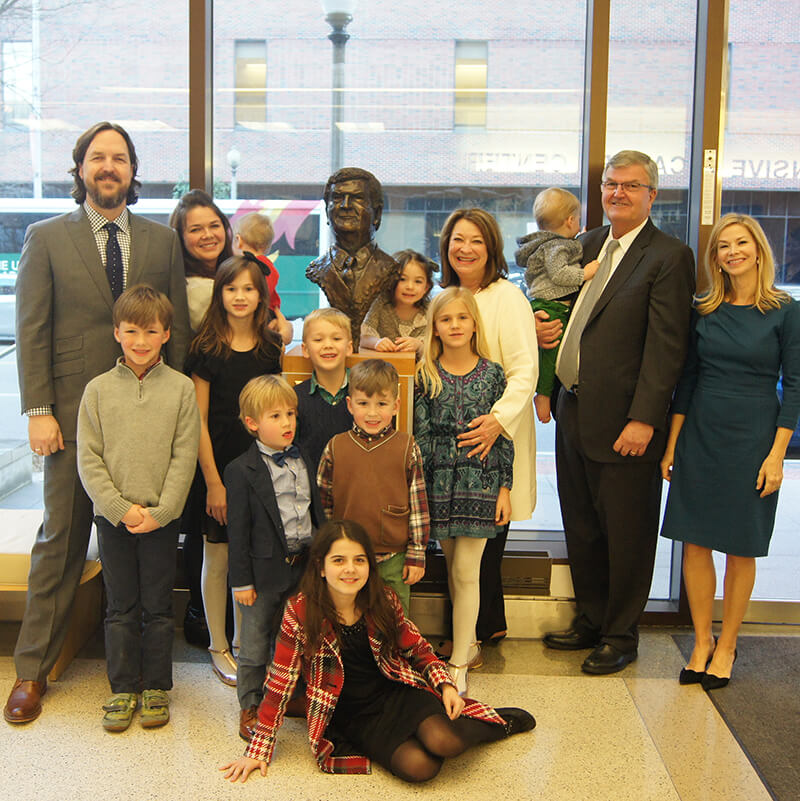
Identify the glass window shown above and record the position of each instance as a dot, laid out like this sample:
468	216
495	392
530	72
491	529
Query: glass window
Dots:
650	97
250	97
760	176
469	103
66	66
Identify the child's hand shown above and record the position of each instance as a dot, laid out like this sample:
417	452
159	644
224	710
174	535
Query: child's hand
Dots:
590	269
243	767
217	503
246	597
453	702
502	509
385	345
133	516
411	575
406	344
147	525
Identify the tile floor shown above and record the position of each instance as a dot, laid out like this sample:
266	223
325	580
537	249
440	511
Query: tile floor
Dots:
635	736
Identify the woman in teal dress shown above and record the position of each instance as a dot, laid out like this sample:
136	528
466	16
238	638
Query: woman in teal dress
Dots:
729	434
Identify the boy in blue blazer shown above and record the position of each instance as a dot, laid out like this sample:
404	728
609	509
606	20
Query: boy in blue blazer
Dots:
273	513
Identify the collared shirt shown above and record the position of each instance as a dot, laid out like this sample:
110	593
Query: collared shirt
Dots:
625	241
123	222
419	521
293	494
333	400
97	221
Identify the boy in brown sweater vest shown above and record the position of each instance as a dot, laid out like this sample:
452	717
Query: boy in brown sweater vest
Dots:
373	475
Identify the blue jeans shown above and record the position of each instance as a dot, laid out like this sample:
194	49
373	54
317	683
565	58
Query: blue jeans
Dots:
259	629
139	575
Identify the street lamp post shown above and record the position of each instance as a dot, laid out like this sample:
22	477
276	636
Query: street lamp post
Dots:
234	160
338	14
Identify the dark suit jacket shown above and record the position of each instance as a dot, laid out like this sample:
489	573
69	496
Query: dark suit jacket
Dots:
257	550
634	343
64	332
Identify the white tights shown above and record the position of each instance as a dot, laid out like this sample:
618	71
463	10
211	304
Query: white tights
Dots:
214	585
463	555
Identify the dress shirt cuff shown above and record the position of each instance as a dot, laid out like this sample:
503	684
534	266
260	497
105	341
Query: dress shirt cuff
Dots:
39	411
415	557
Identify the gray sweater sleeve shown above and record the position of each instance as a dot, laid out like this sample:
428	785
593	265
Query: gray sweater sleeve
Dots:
107	499
181	468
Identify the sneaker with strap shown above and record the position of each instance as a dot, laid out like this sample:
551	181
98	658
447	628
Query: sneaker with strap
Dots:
119	711
155	708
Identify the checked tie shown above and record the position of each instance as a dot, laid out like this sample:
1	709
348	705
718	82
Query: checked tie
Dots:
114	260
570	347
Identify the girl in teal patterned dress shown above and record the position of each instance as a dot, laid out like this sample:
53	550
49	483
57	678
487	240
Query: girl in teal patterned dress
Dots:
469	498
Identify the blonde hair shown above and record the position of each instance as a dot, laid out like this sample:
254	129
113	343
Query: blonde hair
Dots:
374	377
553	206
329	315
261	393
427	377
256	229
767	296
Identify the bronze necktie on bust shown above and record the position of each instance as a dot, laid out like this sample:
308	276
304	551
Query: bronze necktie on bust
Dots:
570	347
114	261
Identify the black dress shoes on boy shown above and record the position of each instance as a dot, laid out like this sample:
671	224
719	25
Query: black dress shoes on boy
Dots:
570	640
607	659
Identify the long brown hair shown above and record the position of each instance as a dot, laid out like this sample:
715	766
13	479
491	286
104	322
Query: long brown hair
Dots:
496	266
213	337
371	600
197	198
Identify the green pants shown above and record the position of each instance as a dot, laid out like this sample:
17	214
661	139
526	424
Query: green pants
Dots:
391	572
547	356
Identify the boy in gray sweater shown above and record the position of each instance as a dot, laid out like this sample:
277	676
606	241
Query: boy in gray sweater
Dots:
552	260
138	434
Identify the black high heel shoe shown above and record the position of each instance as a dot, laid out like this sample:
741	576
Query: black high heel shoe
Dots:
689	676
712	682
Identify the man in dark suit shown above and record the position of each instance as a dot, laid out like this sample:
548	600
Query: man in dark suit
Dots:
355	270
71	270
619	361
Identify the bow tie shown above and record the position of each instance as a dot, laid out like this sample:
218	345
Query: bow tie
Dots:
292	452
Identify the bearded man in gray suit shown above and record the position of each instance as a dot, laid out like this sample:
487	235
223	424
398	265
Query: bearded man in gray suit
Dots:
71	271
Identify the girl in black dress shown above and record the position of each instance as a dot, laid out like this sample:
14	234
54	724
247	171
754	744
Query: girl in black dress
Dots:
232	346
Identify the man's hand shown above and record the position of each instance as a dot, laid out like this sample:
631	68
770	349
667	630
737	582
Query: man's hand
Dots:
134	516
548	332
634	439
44	434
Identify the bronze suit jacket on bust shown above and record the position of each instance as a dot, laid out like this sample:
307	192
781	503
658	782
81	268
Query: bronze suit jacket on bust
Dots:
379	269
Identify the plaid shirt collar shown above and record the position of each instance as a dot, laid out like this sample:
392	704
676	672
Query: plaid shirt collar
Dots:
332	399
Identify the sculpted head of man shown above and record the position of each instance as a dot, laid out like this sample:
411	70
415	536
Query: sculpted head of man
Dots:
629	187
354	205
105	167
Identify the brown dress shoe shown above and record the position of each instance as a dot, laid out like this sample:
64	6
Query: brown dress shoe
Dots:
248	718
25	701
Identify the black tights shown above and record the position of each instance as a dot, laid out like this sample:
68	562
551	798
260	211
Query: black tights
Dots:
420	757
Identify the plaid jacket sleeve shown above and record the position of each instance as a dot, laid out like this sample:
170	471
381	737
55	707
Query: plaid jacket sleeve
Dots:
325	480
419	521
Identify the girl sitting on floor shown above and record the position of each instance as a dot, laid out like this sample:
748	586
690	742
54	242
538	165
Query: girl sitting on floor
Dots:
374	688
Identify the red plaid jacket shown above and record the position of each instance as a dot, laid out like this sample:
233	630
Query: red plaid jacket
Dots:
414	664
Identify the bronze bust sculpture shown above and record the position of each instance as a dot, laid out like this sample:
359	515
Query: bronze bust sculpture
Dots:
355	270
